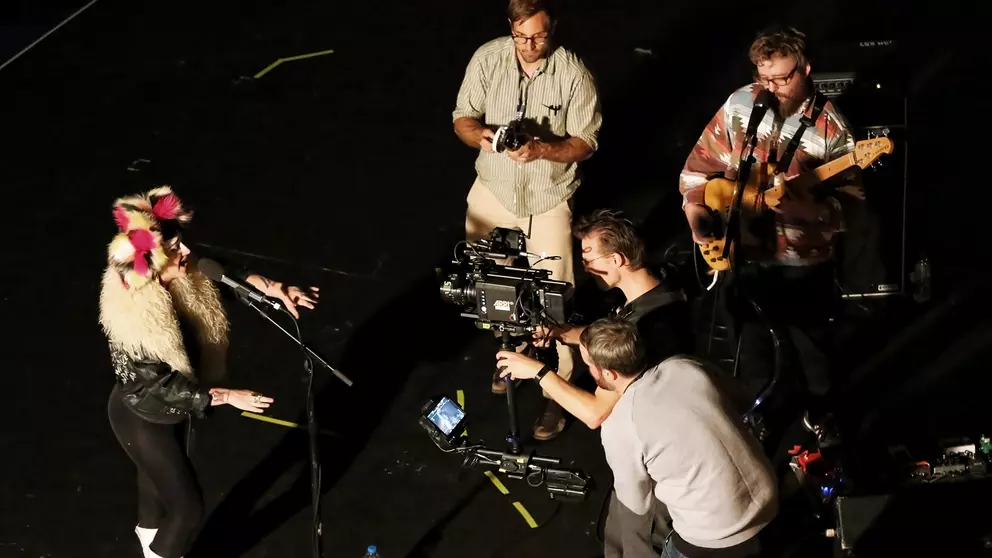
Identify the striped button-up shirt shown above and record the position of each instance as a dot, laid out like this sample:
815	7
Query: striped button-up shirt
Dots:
560	102
792	242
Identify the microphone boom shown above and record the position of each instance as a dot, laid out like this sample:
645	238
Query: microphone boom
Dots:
215	272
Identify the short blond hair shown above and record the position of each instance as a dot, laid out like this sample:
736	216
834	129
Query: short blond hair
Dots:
615	344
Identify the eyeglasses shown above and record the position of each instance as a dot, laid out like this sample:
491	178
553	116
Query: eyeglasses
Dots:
780	81
538	39
586	262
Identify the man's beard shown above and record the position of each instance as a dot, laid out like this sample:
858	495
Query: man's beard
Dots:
601	382
533	56
787	106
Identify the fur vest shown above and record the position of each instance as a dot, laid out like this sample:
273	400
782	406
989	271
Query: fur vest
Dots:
143	323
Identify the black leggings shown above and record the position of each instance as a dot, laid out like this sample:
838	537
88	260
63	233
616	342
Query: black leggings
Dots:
169	497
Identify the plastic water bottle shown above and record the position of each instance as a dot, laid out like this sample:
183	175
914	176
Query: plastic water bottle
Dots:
372	552
921	277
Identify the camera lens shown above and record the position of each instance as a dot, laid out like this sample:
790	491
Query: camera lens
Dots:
514	141
454	292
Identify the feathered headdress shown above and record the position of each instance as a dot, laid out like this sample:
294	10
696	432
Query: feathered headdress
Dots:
148	225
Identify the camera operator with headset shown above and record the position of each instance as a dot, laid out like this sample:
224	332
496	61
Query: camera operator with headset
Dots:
614	253
532	110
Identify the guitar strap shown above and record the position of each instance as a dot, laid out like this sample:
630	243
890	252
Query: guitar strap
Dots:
819	101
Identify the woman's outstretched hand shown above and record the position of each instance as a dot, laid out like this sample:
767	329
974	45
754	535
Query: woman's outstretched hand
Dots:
243	399
291	297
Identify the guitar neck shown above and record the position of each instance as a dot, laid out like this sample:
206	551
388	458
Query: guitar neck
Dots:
826	170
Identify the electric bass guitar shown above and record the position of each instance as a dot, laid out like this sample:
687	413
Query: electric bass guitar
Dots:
720	194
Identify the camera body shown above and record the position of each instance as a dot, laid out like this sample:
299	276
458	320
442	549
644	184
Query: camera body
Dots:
504	297
511	137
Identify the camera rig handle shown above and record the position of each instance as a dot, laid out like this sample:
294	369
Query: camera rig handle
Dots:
513	438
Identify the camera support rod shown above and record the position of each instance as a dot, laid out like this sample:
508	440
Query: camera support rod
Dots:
566	485
513	438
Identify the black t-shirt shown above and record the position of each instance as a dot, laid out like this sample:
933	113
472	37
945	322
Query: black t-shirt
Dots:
662	317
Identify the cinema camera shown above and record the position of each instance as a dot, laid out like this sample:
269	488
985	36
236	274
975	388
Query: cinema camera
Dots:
500	297
510	300
513	301
445	421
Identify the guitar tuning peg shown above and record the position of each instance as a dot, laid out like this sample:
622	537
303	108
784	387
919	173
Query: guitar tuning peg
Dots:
885	132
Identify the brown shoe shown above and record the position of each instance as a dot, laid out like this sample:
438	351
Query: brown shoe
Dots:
551	423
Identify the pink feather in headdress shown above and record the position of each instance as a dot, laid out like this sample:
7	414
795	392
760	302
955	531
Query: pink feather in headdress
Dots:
143	242
121	218
167	207
138	251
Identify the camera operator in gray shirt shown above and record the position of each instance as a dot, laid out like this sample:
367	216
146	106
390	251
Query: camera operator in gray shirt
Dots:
614	254
674	436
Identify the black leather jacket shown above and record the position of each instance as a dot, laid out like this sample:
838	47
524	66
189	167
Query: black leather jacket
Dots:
156	392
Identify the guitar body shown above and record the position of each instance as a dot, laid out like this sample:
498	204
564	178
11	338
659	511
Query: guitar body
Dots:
720	194
719	198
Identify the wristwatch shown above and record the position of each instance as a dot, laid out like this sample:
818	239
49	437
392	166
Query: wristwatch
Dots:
542	373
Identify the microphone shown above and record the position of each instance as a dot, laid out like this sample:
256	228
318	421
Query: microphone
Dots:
215	272
761	103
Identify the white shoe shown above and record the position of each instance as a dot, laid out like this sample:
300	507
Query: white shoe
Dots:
146	536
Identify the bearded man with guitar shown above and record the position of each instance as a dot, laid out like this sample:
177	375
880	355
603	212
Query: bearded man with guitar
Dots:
773	238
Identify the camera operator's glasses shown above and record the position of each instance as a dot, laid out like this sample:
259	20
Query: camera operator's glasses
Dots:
538	39
586	262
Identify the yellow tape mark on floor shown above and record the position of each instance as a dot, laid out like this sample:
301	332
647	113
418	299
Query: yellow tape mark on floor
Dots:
527	516
460	395
496	482
268	68
278	61
264	418
520	507
285	423
308	55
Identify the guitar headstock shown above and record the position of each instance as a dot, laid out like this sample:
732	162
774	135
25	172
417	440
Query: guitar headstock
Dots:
866	152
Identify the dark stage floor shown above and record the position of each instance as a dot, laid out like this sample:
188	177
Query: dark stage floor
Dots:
342	171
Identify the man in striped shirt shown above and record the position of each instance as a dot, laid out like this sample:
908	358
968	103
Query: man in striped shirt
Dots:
529	188
785	257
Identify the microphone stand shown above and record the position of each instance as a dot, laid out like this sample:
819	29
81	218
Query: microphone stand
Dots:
734	220
307	350
734	227
312	427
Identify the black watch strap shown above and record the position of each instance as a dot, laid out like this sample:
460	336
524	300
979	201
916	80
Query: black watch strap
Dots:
542	372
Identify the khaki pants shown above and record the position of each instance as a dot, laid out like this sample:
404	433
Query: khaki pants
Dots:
550	233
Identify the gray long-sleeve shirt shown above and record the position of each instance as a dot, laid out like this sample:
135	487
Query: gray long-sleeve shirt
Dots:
676	435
